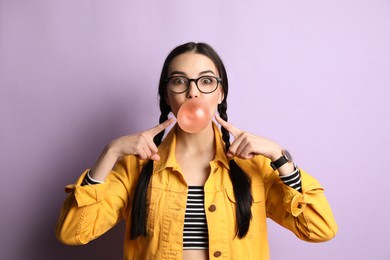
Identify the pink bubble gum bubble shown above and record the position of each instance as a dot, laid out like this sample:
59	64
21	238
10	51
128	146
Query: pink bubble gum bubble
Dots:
193	116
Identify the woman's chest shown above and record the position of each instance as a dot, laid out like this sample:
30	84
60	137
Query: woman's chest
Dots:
195	169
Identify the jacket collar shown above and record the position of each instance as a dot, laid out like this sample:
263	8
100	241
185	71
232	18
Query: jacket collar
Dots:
168	146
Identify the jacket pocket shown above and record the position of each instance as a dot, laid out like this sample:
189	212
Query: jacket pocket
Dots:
258	221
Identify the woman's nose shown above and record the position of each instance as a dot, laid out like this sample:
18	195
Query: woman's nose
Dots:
193	90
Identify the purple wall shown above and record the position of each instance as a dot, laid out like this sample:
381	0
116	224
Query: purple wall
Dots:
314	76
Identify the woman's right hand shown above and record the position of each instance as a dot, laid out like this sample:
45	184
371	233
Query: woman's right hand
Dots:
140	145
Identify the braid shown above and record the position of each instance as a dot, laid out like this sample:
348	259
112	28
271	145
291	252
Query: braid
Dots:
225	133
241	183
139	208
165	110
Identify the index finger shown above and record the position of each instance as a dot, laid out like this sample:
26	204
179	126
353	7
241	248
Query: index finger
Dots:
232	129
158	128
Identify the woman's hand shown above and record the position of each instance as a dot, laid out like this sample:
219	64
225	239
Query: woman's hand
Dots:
140	144
246	145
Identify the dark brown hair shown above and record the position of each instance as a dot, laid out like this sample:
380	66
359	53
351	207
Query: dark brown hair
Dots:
240	180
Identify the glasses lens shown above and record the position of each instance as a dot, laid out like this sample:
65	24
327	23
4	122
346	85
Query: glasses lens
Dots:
178	84
207	84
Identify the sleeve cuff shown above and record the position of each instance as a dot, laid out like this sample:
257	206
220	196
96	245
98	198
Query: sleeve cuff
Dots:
293	180
88	194
296	202
88	180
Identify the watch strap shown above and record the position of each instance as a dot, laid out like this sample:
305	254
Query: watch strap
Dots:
279	162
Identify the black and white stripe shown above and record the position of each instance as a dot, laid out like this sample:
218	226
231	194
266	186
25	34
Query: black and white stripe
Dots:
195	234
293	180
89	181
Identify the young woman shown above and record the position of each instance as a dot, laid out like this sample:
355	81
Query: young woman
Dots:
194	195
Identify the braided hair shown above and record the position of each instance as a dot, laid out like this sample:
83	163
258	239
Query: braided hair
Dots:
240	180
138	208
241	183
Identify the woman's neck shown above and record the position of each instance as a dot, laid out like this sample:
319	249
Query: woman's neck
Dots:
194	152
195	143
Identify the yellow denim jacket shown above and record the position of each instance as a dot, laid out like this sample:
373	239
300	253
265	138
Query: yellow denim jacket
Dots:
90	211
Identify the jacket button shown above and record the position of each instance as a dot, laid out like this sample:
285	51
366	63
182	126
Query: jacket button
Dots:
213	208
217	253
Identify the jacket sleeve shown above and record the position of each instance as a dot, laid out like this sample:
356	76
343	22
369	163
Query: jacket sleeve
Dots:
307	214
90	210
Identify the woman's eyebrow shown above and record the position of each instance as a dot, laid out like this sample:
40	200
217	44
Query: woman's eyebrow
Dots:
206	71
176	72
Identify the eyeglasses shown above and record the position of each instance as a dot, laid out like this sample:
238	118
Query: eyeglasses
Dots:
205	84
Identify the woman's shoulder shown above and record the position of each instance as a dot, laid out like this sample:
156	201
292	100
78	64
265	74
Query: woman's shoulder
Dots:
129	165
257	168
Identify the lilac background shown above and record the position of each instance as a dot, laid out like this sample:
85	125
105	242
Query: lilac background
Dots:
313	75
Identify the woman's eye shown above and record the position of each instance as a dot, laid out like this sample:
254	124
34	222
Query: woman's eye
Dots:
179	81
207	80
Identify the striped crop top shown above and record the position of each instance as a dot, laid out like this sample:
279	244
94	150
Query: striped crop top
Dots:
195	234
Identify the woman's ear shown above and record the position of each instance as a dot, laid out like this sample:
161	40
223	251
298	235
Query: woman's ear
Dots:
221	96
166	99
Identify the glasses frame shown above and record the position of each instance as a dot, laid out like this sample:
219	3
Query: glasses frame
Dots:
219	80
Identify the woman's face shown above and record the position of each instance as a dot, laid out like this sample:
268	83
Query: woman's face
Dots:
193	65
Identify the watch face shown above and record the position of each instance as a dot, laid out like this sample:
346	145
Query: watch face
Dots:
287	155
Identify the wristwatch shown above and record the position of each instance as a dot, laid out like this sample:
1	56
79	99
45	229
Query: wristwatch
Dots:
285	158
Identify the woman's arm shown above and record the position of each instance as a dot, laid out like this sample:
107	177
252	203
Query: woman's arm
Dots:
304	210
140	145
91	210
247	146
307	214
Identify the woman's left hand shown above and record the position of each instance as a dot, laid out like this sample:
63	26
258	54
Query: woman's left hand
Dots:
246	145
